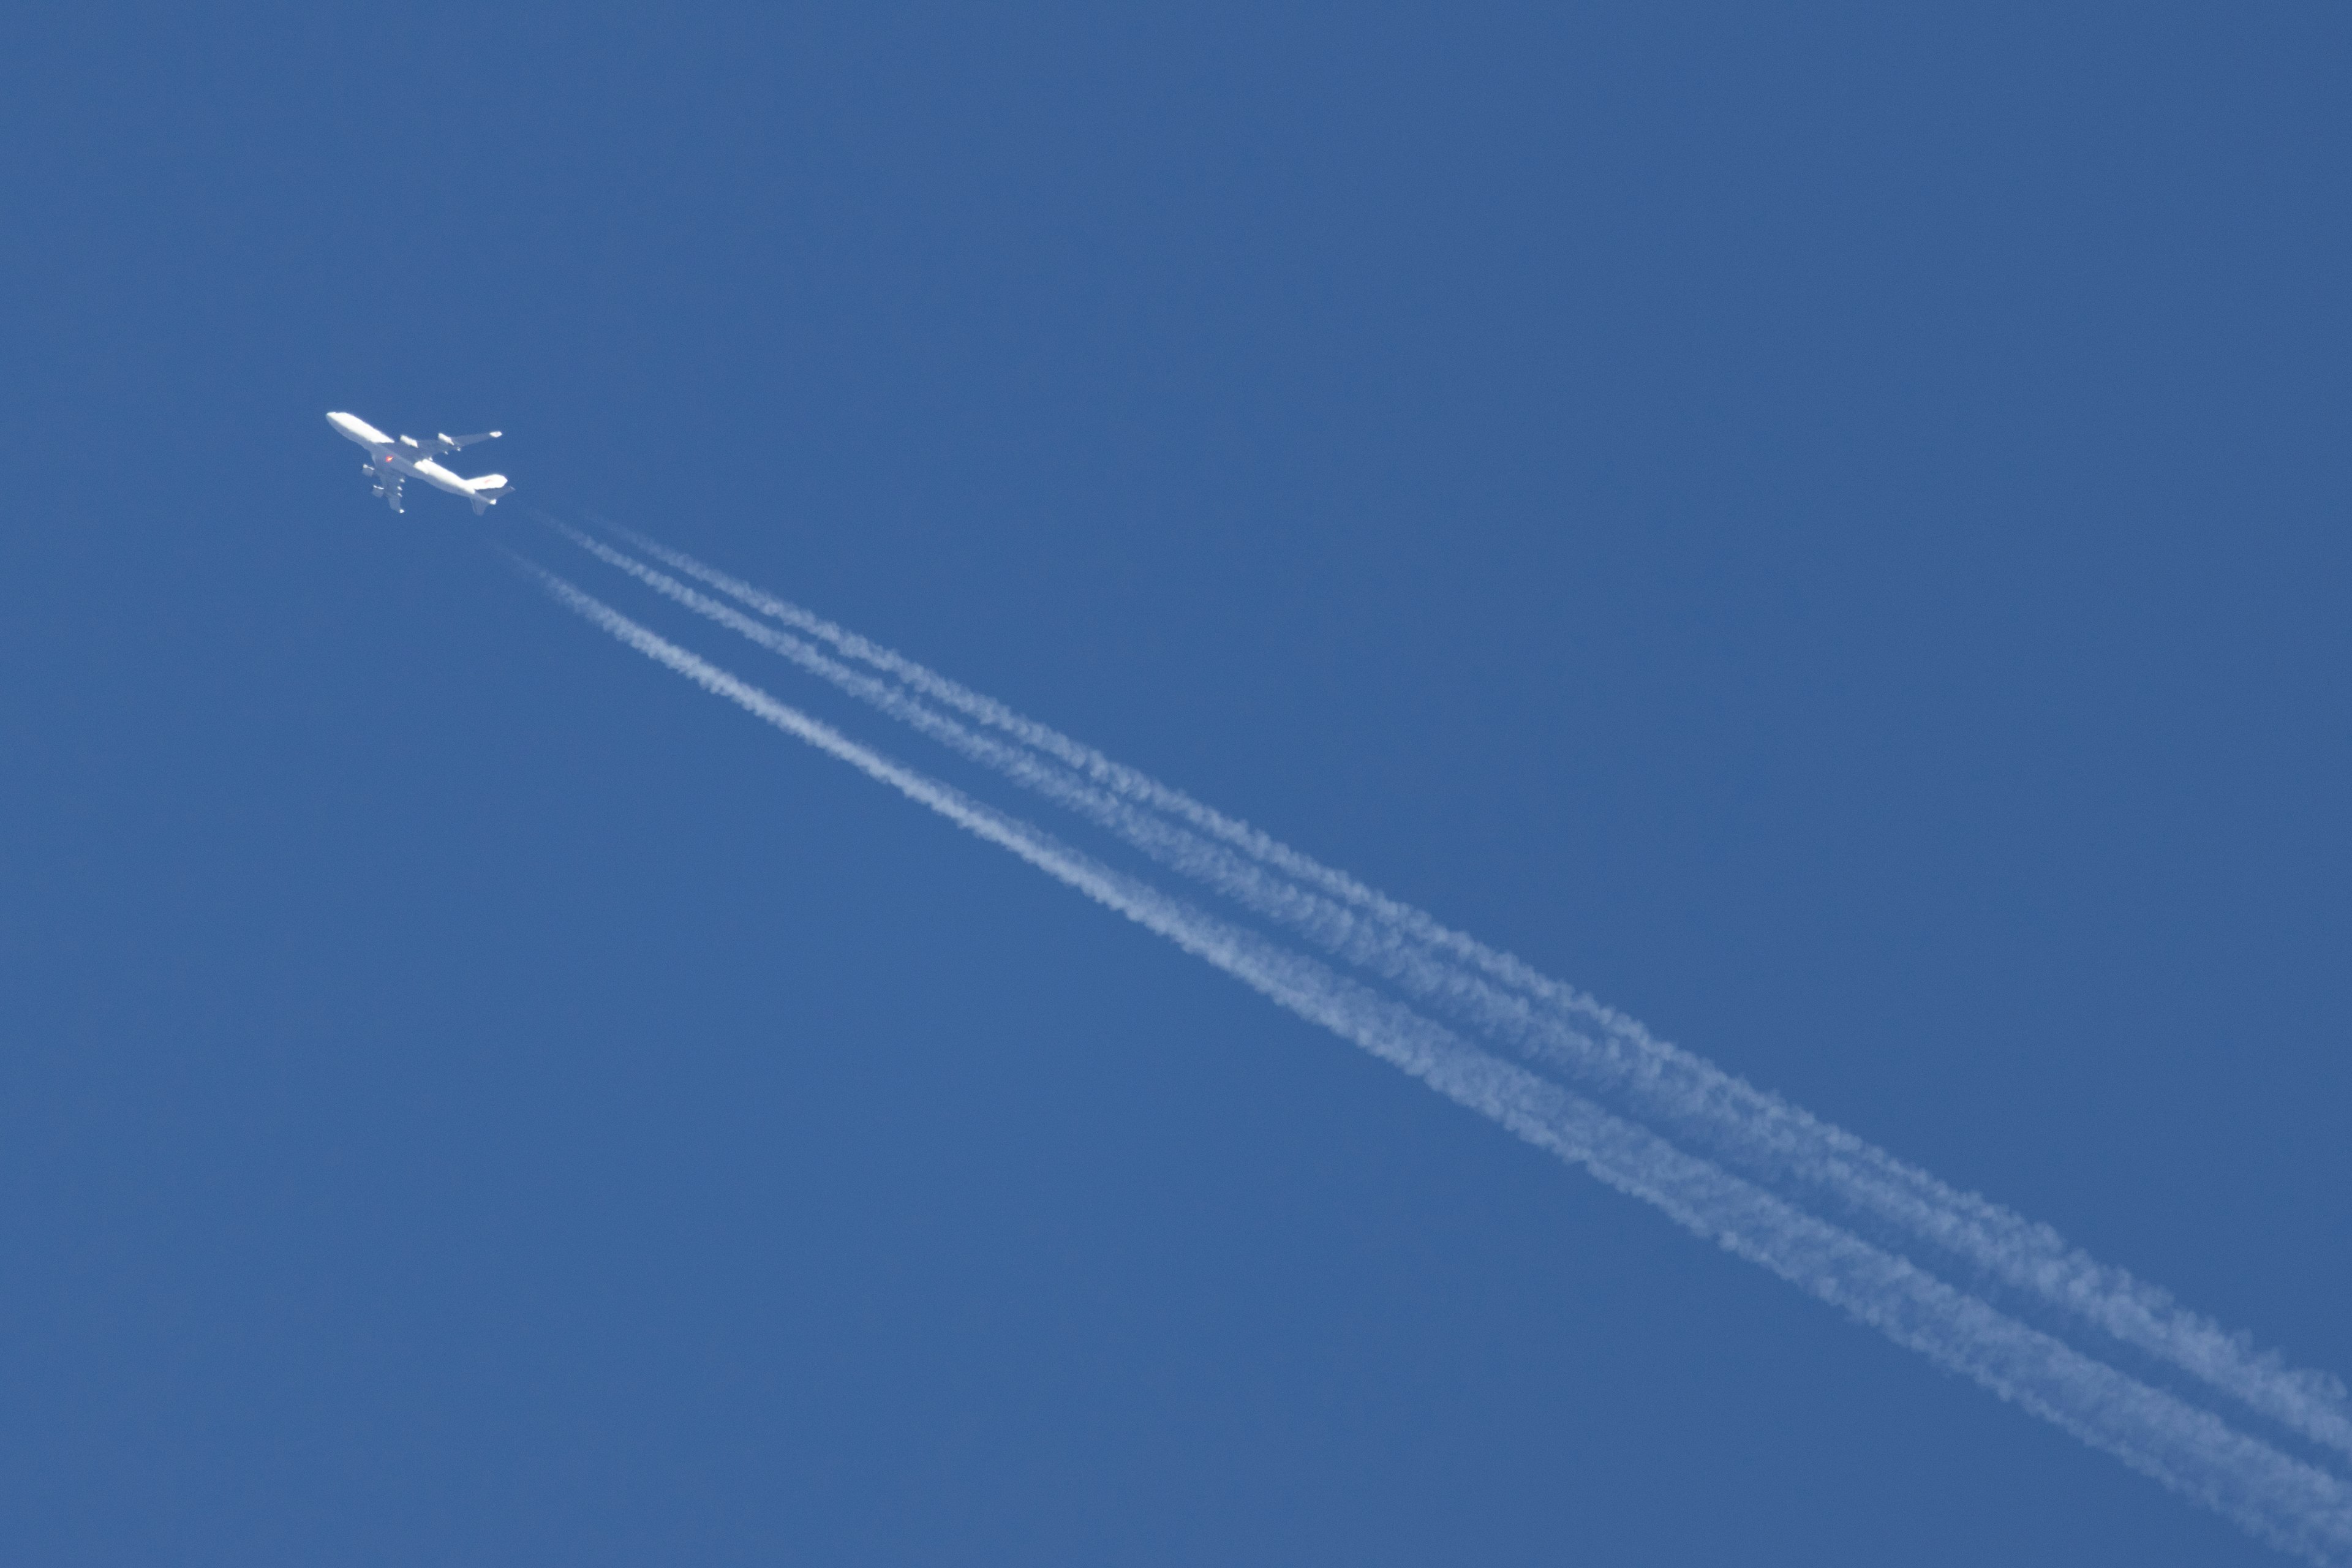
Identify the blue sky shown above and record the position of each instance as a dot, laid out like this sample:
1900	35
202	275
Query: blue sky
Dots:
1824	529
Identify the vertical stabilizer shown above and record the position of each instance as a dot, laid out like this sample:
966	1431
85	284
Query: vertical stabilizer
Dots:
486	490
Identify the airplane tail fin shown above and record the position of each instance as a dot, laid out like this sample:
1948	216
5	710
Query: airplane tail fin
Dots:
488	490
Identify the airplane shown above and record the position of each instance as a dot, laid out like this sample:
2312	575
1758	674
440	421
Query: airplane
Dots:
391	461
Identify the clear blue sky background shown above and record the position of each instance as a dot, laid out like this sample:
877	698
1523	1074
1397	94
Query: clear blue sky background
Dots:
1827	529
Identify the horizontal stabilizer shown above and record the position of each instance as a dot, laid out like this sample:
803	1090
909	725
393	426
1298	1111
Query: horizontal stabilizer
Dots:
484	492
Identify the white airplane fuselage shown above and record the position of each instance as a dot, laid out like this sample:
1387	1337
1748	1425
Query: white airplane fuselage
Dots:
403	457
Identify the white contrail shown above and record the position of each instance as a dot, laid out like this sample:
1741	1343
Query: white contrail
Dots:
1754	1131
2290	1504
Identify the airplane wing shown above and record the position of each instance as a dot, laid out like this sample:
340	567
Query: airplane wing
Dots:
387	485
451	443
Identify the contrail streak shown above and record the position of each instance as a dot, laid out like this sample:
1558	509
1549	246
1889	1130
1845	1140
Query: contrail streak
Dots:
2288	1503
1754	1131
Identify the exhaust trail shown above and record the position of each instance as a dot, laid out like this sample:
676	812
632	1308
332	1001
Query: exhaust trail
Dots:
1754	1130
2284	1501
